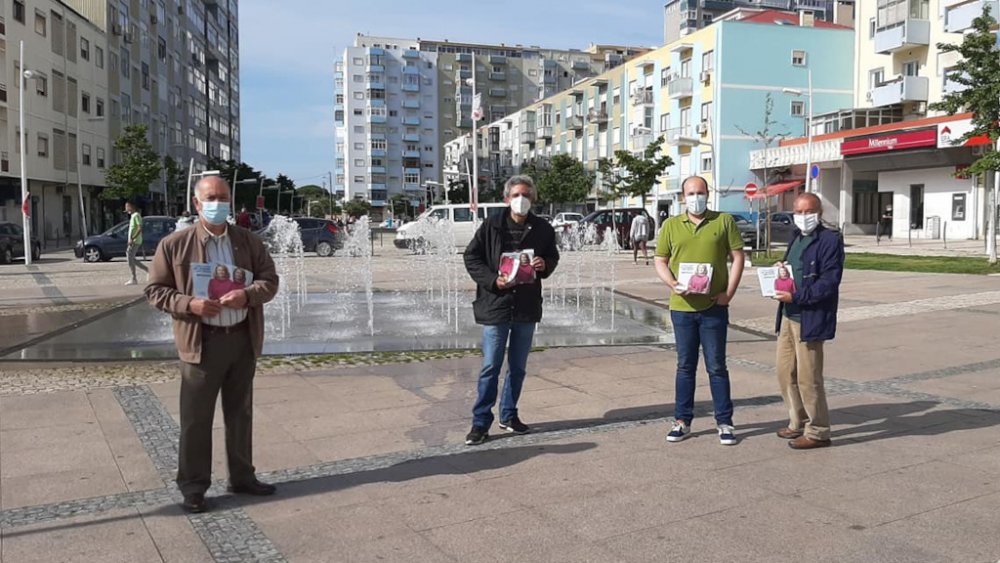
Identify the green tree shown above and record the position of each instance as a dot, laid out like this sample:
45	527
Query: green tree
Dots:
979	71
318	200
565	180
628	174
357	208
138	165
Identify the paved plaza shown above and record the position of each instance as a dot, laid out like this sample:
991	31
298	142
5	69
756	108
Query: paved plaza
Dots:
368	453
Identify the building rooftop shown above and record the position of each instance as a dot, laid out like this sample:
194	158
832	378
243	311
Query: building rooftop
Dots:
778	17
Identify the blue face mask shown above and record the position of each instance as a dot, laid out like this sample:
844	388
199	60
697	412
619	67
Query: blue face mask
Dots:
215	212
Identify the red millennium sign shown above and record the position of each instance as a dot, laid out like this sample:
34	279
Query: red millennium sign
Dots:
886	143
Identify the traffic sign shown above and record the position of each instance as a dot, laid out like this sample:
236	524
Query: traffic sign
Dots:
260	202
814	171
750	189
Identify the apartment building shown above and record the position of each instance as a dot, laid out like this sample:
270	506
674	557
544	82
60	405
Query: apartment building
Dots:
683	17
65	104
888	149
702	93
99	66
398	101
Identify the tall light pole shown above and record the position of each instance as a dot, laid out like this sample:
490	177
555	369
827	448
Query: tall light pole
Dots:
809	132
476	114
25	204
191	177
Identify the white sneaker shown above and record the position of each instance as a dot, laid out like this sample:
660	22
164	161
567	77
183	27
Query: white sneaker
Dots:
727	437
678	431
131	282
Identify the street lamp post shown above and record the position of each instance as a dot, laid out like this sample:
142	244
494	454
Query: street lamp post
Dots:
809	133
476	114
191	176
25	203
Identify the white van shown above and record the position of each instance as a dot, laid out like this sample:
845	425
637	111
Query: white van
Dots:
464	223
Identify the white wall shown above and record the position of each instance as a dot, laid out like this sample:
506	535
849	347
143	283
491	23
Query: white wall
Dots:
939	185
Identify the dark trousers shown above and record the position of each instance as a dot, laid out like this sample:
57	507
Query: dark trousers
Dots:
227	365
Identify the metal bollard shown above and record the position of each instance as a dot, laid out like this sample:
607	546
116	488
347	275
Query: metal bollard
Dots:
909	236
944	234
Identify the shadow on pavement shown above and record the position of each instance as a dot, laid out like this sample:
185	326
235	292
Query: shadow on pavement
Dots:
891	420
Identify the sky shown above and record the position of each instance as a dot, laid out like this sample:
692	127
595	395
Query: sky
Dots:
288	49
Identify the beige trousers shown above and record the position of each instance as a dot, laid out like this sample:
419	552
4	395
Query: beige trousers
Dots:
800	374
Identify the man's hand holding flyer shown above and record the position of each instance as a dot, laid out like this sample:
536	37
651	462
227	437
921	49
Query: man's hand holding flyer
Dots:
516	268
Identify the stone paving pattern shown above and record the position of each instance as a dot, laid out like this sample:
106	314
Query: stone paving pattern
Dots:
371	466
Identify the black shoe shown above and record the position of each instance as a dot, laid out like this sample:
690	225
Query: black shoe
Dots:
255	488
195	503
476	436
515	425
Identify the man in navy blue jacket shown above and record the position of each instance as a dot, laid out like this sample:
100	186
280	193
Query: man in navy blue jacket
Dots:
507	310
807	317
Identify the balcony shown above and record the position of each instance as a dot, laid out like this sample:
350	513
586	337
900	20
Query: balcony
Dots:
545	132
411	54
464	57
411	154
549	78
574	122
581	65
411	137
376	85
641	140
907	34
411	70
498	92
959	18
463	74
377	170
410	120
498	60
411	170
378	202
680	87
411	187
905	89
642	98
377	118
411	104
463	122
498	76
597	117
375	68
377	51
377	153
410	87
528	137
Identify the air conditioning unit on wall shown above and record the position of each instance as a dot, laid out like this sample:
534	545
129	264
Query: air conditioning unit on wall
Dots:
701	128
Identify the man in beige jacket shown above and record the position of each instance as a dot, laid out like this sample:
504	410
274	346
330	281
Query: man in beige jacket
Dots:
218	340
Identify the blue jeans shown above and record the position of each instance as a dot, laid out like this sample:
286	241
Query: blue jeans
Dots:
495	341
705	329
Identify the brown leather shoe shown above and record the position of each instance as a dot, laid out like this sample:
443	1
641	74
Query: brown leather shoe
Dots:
789	434
807	443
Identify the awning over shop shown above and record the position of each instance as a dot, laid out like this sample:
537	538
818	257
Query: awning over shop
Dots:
775	189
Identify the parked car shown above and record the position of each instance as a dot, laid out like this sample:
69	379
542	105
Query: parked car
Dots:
113	242
602	218
464	223
782	228
563	219
321	236
12	243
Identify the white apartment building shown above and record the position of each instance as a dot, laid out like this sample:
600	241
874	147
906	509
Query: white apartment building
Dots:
65	105
890	150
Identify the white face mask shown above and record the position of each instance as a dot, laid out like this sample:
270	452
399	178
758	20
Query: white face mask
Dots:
806	222
696	204
520	205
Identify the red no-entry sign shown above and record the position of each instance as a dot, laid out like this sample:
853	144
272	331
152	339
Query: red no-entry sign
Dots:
260	202
750	189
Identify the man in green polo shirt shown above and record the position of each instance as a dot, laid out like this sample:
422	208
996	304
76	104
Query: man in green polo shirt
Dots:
134	241
701	320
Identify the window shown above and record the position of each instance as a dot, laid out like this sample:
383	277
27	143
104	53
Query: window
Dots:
910	68
871	28
42	86
664	121
145	76
411	178
664	76
875	78
685	117
359	95
85	103
99	108
463	215
358	111
98	57
40	24
798	109
706	111
161	49
685	68
359	146
358	78
359	162
358	61
43	145
359	179
19	10
798	58
85	151
359	129
84	49
706	162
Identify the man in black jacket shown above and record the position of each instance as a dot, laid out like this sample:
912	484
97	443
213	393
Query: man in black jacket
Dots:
507	312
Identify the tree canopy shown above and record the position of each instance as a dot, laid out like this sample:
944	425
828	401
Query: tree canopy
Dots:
137	168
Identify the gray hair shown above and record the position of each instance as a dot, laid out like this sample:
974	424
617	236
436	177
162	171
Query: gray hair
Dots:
520	180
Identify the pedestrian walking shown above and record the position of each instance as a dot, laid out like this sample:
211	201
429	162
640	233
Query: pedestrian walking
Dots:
134	243
639	233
